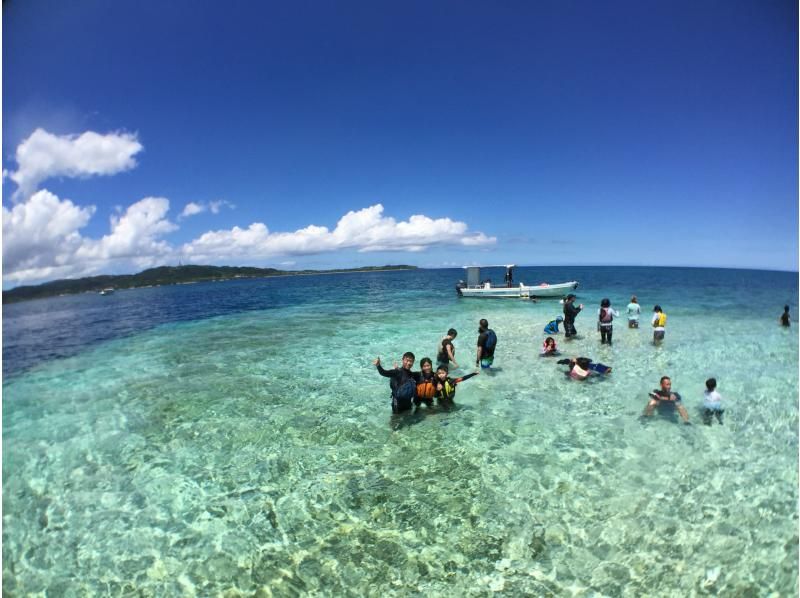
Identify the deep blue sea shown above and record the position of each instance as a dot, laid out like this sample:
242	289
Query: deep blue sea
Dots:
234	439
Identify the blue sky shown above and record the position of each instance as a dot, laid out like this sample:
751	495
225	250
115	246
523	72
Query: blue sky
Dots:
642	133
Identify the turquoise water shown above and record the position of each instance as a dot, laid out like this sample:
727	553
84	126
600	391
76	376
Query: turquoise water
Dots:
235	438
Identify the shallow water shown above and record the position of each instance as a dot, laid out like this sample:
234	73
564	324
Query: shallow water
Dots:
235	437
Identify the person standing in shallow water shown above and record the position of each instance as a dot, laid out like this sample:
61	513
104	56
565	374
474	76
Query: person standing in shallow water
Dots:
634	310
403	383
659	322
487	341
605	321
785	317
570	312
447	351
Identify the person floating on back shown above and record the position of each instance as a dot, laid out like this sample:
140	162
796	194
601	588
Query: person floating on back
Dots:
446	386
426	383
659	322
403	383
634	309
487	341
549	348
712	403
664	395
552	326
570	311
784	319
447	351
580	368
605	319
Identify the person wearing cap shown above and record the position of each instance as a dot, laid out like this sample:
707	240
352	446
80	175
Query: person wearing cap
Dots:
570	311
552	325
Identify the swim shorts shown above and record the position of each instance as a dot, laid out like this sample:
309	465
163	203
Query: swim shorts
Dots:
487	362
658	335
633	323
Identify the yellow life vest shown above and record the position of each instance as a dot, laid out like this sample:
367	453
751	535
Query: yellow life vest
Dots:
448	390
661	321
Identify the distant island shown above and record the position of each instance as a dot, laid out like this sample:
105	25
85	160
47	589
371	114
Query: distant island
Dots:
164	275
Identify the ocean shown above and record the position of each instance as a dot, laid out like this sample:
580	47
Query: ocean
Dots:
234	438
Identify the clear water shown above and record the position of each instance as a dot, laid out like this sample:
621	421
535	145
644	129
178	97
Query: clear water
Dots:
235	438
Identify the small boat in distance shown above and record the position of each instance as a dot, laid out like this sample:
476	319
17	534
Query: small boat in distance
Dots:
108	291
475	287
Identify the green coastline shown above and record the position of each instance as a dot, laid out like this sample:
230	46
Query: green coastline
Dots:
167	275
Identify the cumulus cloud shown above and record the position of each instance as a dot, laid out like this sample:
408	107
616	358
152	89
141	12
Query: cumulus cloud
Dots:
42	239
44	155
362	230
42	232
193	208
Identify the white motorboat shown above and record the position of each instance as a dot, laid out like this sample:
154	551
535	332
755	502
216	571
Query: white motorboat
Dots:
108	291
476	287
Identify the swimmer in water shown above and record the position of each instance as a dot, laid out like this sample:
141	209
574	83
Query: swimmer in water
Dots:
665	395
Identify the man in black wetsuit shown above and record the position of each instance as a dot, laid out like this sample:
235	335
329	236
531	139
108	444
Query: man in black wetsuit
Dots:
487	341
570	311
403	383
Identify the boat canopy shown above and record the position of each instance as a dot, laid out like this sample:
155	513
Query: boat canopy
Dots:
474	273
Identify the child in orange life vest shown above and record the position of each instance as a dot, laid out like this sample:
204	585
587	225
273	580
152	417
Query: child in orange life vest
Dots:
446	386
426	383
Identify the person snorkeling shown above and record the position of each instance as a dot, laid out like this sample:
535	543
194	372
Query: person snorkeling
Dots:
580	368
552	326
549	348
446	386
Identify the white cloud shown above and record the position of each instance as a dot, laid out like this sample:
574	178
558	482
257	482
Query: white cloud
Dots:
134	234
41	238
44	155
193	208
363	230
42	232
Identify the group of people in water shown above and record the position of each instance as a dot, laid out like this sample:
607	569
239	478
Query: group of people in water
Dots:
412	389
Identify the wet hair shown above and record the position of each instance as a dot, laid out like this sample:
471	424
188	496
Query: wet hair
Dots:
664	378
452	332
409	354
786	308
425	360
583	362
634	300
657	308
443	368
483	324
549	340
711	383
569	297
605	303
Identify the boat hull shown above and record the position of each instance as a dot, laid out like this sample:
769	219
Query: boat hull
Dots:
520	291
